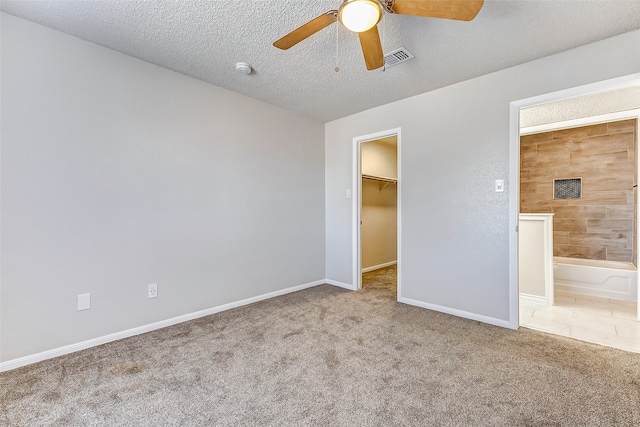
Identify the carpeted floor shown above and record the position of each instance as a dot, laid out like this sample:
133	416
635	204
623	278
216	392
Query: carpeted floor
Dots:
382	280
329	357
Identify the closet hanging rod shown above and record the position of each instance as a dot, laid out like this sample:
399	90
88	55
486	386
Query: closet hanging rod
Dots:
380	178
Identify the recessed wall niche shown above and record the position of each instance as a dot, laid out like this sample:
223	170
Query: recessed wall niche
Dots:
567	188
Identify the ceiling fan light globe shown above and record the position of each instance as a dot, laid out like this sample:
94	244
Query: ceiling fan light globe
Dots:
360	15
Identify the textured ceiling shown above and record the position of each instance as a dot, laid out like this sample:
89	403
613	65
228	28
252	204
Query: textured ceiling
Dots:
204	39
581	106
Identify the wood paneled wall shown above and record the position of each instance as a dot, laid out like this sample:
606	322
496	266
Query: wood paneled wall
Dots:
601	224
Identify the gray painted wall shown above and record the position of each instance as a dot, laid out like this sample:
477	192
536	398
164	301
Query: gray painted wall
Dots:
117	173
455	143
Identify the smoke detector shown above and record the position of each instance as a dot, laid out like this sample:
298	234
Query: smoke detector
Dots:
243	68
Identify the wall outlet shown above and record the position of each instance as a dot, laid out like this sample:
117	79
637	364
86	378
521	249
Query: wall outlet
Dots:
84	302
152	290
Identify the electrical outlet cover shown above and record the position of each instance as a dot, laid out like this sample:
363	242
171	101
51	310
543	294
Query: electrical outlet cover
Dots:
152	290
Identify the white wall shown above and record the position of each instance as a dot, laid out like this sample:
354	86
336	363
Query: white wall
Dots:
531	260
455	242
117	173
535	256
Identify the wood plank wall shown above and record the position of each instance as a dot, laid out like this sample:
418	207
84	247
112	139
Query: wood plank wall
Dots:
601	224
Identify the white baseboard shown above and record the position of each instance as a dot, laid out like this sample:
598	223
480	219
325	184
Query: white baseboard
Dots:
49	354
459	313
533	298
340	284
376	267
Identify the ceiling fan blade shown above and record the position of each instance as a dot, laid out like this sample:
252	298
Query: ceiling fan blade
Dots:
462	10
308	29
371	48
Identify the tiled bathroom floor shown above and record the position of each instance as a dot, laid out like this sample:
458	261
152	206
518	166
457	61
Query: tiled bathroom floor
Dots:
603	321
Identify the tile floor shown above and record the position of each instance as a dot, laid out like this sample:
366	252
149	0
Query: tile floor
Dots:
603	321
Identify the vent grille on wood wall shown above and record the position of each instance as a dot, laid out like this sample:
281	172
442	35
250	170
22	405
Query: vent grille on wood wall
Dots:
567	188
397	56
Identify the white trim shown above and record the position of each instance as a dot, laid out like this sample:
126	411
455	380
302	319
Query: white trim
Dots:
49	354
514	213
534	298
635	238
583	121
455	312
514	170
357	203
589	89
340	284
399	215
379	266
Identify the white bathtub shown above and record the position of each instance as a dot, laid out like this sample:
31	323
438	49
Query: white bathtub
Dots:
608	279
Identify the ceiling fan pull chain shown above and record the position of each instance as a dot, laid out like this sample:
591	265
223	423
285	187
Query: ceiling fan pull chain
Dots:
337	49
384	38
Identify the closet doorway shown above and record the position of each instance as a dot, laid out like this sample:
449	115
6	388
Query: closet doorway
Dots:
377	212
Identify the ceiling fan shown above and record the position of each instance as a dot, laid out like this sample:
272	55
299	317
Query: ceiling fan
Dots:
362	17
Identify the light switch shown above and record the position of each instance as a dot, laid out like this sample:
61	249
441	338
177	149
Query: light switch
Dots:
84	302
349	193
499	185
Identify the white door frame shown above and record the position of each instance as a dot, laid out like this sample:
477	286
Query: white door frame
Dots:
514	170
357	203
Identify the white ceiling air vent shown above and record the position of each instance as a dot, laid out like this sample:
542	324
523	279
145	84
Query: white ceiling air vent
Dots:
397	56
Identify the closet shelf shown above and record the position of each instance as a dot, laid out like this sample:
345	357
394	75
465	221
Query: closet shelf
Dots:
380	178
383	181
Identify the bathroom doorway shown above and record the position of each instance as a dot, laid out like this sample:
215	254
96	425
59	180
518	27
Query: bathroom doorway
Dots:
588	144
377	212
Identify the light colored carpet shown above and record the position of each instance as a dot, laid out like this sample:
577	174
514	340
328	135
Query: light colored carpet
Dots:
383	280
329	357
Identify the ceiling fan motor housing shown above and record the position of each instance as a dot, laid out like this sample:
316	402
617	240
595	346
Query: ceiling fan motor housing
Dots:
360	15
